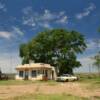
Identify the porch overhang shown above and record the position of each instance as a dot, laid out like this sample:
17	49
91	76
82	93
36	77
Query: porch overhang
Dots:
35	66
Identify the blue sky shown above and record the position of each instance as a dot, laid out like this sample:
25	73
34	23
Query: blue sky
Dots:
20	20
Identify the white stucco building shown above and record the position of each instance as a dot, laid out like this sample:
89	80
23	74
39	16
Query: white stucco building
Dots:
35	71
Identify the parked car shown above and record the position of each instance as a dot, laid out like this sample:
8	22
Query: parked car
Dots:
3	76
66	78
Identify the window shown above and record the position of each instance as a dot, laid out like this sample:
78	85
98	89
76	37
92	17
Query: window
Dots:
39	72
33	73
21	73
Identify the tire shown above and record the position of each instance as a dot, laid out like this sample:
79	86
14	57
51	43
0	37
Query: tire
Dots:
66	80
77	78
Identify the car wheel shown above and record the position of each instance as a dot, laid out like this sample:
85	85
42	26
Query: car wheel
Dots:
66	80
77	78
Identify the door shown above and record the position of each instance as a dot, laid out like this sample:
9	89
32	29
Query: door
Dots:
26	75
46	75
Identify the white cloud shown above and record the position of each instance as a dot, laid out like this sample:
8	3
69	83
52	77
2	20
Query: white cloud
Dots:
27	10
86	12
93	44
29	21
83	14
45	25
5	34
17	30
2	7
63	20
48	15
62	13
91	7
45	19
12	33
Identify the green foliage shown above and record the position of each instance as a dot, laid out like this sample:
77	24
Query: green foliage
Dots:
57	47
24	53
97	61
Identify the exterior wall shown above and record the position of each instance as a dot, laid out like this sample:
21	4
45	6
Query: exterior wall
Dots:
49	74
55	74
17	77
39	76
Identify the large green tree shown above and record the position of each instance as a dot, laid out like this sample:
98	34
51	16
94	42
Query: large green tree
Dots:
57	47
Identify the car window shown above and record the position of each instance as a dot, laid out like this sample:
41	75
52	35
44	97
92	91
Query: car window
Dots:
66	75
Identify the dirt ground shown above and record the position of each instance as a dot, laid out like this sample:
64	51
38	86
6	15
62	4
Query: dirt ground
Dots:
76	89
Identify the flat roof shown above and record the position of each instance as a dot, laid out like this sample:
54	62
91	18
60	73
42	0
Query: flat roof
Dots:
34	66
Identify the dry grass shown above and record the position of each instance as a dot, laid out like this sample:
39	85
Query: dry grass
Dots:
85	89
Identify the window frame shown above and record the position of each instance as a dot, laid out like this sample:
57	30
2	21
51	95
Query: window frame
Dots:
21	73
33	75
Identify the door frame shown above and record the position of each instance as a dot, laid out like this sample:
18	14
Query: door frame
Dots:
26	74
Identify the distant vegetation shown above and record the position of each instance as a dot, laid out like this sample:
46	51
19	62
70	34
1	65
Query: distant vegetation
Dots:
97	61
57	47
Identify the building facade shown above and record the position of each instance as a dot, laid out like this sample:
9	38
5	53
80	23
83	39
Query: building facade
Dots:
35	71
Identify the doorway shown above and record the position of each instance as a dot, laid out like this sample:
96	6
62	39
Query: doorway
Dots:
26	75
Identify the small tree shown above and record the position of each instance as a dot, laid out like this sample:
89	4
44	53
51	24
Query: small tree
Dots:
97	61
